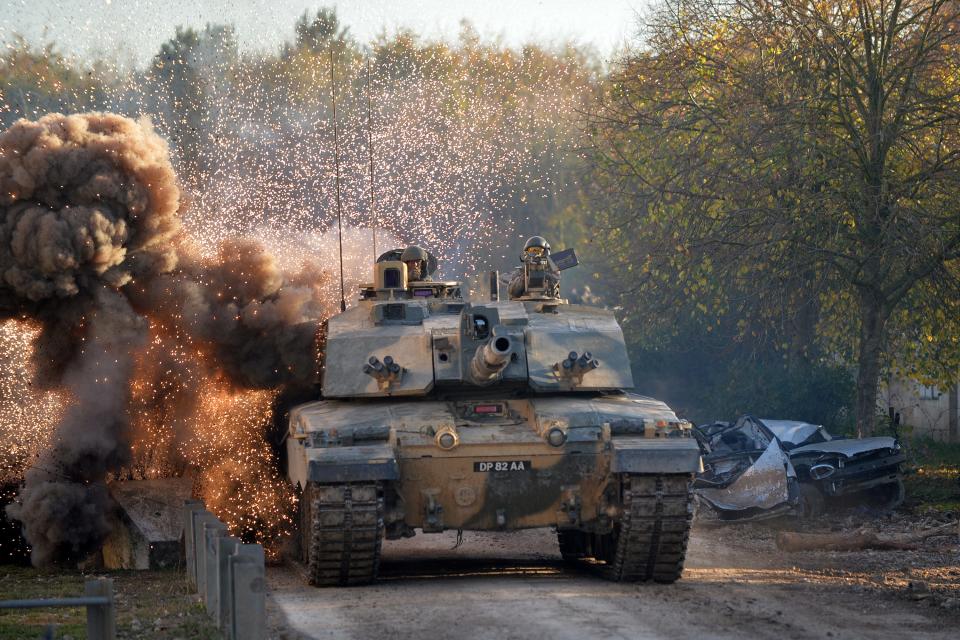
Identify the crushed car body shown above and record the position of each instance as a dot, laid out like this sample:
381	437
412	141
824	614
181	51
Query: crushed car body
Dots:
843	466
760	468
747	474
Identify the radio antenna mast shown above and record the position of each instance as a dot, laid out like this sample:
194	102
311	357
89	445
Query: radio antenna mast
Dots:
336	165
373	213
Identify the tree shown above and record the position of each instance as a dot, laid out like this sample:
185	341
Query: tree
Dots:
794	166
177	77
320	33
39	80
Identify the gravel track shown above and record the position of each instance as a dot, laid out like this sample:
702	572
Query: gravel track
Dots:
736	585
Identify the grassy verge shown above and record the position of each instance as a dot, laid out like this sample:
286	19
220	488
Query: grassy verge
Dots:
933	475
150	604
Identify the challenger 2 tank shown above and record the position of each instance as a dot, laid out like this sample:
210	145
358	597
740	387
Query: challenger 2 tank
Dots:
450	412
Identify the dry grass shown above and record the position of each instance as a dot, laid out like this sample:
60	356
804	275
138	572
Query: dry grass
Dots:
150	604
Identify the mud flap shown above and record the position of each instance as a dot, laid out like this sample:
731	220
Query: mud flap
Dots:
648	455
352	464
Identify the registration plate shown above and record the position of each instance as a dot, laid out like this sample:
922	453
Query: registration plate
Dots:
502	465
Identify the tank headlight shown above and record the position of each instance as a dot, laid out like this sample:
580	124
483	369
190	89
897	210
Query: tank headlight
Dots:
556	437
447	440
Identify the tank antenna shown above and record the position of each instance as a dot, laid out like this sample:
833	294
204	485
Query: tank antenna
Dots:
336	165
373	212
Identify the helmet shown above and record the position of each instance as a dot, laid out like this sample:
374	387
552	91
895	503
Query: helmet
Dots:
538	245
413	252
417	256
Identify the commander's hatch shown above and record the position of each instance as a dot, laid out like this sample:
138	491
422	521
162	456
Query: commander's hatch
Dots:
391	281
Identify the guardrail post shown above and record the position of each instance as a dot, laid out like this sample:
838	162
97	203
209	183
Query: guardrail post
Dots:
199	517
190	508
200	520
101	622
208	567
226	546
249	585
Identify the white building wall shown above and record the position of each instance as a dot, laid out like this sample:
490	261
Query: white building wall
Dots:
931	412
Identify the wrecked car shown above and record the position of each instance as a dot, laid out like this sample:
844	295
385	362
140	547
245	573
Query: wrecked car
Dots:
760	468
746	475
865	469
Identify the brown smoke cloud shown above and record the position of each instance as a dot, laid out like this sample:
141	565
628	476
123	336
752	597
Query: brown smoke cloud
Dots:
259	321
64	504
85	200
134	321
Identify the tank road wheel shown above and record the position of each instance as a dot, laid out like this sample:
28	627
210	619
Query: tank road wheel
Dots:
573	544
650	541
342	541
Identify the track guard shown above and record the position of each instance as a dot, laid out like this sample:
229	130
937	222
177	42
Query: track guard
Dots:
648	455
352	464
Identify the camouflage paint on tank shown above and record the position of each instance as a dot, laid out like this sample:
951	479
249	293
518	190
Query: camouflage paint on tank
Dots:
447	484
435	341
482	414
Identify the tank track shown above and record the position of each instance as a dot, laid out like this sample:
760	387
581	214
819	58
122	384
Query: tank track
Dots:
651	543
342	544
650	540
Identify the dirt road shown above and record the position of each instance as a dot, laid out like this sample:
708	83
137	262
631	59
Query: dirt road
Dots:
736	585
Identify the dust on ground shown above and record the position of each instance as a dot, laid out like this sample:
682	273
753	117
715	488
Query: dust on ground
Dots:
736	584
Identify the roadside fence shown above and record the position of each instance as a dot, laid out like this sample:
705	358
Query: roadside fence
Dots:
97	598
230	576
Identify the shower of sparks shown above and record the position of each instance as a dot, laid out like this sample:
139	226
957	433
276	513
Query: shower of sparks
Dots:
27	414
465	136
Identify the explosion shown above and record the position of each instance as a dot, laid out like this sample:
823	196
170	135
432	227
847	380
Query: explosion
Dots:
143	334
165	361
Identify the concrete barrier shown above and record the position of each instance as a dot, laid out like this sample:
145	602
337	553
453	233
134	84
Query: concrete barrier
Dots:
206	564
228	575
196	532
211	592
190	508
249	582
226	546
200	520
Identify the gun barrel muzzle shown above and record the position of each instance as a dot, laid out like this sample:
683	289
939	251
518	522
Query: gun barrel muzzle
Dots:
490	359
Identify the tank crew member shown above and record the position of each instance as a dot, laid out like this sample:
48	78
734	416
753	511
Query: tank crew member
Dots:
416	261
537	275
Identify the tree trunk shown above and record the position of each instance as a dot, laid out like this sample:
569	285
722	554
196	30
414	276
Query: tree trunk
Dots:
873	320
790	541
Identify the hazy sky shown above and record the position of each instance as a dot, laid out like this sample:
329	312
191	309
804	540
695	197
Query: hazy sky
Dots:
137	27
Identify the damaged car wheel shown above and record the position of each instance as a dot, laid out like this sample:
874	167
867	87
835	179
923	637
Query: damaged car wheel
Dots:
887	496
811	502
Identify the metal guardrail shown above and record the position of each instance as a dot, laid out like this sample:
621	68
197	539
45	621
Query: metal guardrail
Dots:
97	598
54	602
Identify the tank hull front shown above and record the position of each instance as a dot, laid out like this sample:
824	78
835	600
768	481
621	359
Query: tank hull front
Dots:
490	463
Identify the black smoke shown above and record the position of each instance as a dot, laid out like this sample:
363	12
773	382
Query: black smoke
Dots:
92	249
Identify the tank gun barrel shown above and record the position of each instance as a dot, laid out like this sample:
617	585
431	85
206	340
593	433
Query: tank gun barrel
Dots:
490	359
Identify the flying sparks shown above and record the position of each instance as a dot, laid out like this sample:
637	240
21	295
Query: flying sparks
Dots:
464	139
